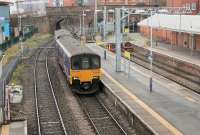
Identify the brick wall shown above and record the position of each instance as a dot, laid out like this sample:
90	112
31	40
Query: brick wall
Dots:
182	72
133	2
172	38
69	2
183	3
198	42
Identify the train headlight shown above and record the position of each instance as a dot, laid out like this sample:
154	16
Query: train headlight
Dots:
75	78
96	77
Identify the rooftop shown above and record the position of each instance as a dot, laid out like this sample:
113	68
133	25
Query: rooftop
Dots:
2	3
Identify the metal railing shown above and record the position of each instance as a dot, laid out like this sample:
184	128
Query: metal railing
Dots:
15	40
7	74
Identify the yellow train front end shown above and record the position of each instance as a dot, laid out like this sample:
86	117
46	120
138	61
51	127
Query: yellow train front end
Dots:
85	73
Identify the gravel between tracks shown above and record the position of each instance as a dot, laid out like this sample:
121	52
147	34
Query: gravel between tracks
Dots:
74	118
120	117
70	104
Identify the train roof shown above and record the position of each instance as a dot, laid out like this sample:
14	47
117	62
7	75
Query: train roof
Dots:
61	32
70	45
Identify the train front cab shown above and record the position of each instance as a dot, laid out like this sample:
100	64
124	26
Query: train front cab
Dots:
85	72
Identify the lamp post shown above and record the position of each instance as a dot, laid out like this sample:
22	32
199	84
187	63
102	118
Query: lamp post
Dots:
151	56
19	17
118	38
104	23
80	25
21	35
95	17
83	15
83	21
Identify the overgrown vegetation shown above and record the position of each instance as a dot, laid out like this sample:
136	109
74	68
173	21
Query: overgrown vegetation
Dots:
35	41
16	77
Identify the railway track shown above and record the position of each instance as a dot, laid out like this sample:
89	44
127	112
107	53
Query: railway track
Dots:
49	119
101	119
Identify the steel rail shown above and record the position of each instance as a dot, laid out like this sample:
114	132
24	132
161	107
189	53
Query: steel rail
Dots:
36	97
106	110
54	97
117	123
35	94
88	115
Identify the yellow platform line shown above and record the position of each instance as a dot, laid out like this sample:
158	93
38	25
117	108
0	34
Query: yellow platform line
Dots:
163	121
5	130
159	82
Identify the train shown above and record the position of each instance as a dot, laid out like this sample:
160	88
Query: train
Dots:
80	65
124	47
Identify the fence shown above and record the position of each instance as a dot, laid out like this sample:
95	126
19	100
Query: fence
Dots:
7	74
15	40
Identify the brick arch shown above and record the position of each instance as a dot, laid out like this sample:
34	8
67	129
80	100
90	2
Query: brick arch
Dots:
57	23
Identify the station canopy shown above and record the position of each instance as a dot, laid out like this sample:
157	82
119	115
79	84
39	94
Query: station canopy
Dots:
4	2
179	23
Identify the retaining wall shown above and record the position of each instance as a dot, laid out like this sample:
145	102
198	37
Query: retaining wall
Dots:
134	120
182	72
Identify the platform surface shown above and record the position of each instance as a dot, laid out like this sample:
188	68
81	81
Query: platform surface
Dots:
168	109
15	128
184	54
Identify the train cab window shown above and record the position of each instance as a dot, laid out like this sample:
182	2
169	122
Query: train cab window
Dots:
95	62
76	63
85	63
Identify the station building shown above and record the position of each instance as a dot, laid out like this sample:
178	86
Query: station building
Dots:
117	2
134	2
178	30
69	2
61	3
193	4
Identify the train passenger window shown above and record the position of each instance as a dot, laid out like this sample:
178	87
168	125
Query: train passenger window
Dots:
85	63
76	63
95	62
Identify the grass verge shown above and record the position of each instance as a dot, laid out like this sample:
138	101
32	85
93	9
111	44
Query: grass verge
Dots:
34	42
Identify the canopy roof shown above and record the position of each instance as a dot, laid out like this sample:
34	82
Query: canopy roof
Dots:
3	2
179	23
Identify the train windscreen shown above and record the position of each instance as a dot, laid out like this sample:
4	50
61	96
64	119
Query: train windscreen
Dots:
81	62
95	62
85	62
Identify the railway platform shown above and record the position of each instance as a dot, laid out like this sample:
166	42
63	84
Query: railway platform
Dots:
14	128
169	109
183	54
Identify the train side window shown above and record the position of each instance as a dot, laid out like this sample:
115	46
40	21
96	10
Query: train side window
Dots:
76	63
95	62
